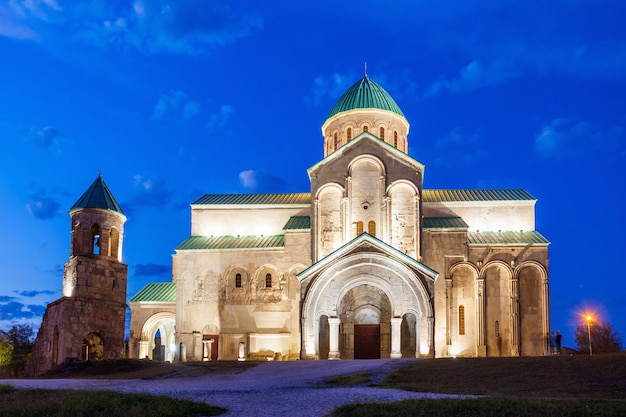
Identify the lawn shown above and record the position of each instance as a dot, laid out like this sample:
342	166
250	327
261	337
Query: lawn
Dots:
529	386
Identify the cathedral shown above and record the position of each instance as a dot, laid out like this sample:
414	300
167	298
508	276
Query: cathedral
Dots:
367	264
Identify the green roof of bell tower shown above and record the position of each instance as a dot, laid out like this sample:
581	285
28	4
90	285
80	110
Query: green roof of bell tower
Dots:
365	94
97	196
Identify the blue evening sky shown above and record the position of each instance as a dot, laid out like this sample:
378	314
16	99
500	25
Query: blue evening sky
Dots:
171	99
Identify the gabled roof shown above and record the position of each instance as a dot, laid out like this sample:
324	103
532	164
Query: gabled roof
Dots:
298	223
365	94
356	141
254	199
232	242
377	243
156	292
97	196
506	238
444	223
433	196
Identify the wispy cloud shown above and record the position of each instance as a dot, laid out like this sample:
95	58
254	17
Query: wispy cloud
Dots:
327	87
220	118
460	148
42	205
175	103
473	76
14	310
148	192
34	293
47	138
563	138
261	181
182	26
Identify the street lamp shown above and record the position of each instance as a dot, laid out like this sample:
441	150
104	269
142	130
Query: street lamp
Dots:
588	318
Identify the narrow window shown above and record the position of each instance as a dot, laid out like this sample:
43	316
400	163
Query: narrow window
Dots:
365	128
336	141
461	320
395	143
395	139
349	134
359	228
238	281
497	329
371	228
95	239
268	281
381	133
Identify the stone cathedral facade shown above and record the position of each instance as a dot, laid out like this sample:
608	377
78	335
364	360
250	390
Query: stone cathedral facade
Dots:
367	264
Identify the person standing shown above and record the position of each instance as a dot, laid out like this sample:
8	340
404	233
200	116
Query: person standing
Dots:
557	342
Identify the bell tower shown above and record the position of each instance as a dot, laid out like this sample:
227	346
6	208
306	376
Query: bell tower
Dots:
88	321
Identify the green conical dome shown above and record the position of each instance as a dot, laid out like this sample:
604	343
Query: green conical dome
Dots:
97	196
365	94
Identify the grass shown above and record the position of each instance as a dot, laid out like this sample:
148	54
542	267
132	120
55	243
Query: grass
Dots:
537	386
144	369
65	403
357	378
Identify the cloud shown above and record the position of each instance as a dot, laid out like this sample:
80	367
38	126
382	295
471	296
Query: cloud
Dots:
34	293
152	270
181	26
563	138
220	118
261	181
176	103
460	148
473	76
148	192
6	298
42	206
47	138
327	88
14	310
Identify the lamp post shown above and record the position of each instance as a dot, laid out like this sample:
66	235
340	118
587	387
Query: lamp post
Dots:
588	318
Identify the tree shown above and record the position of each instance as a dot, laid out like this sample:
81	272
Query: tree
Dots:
6	349
604	338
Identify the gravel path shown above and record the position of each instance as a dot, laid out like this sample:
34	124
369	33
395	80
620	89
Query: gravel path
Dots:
270	389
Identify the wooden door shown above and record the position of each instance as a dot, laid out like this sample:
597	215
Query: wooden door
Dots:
367	341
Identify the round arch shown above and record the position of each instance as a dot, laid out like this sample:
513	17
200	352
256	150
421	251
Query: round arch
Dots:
404	290
163	323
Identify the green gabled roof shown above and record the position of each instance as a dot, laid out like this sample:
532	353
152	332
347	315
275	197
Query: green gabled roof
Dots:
435	196
365	94
444	223
506	238
254	199
232	242
156	292
97	196
298	223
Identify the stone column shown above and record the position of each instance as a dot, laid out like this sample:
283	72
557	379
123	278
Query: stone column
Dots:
480	318
333	324
143	349
396	326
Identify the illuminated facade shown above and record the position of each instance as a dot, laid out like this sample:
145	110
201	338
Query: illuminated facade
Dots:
367	264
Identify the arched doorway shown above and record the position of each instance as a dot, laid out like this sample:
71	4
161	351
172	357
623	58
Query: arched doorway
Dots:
366	288
92	348
365	314
158	329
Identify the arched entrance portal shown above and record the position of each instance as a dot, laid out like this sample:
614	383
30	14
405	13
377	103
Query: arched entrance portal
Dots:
367	305
158	339
365	314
